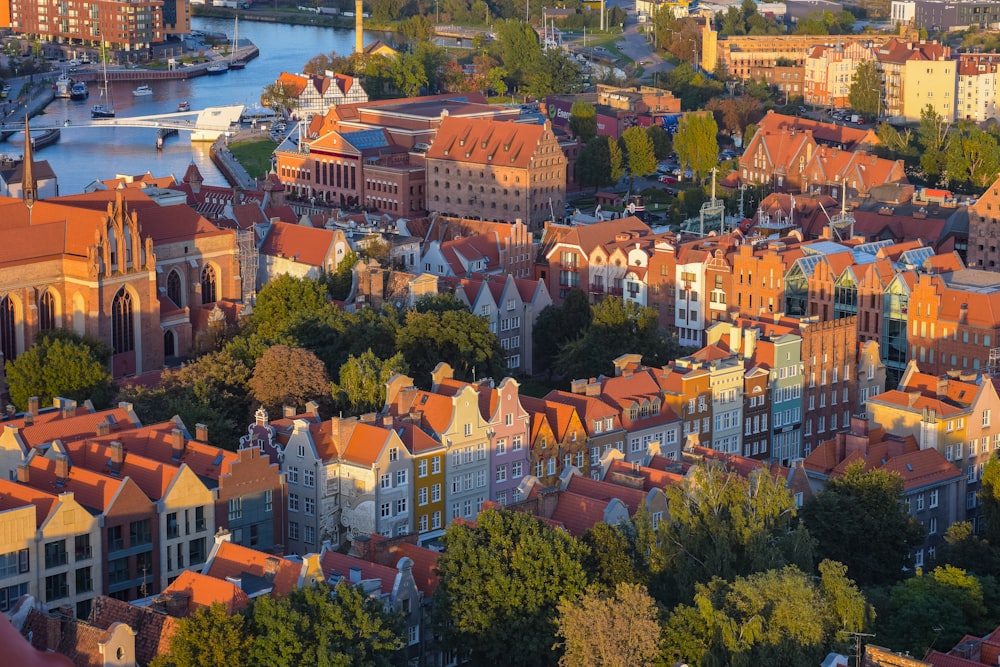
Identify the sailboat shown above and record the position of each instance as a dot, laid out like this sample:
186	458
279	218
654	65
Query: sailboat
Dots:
234	62
107	108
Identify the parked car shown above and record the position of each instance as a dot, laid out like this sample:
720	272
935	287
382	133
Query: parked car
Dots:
666	178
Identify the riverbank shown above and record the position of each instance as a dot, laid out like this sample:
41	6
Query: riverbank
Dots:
285	16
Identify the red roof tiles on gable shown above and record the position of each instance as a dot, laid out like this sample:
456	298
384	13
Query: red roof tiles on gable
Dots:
14	495
366	444
651	477
305	245
84	424
424	565
233	560
153	477
90	489
605	491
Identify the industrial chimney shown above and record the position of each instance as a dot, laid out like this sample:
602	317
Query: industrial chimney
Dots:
359	45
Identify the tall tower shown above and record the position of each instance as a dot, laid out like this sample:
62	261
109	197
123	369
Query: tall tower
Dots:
29	189
359	44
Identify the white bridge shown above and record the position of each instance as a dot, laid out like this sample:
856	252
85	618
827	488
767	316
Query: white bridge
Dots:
205	124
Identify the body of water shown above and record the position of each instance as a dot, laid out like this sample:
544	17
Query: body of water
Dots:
84	154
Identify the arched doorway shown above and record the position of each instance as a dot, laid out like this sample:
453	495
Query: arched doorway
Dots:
169	349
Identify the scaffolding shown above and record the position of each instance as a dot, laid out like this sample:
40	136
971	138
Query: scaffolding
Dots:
247	249
994	363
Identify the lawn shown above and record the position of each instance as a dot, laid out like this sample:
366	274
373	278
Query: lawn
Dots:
255	156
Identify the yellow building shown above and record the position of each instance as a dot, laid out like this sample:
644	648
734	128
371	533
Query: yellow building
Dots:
428	479
915	74
50	548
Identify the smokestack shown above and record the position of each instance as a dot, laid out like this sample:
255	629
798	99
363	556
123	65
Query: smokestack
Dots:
359	44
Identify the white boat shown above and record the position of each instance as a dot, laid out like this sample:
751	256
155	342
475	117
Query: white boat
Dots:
218	67
184	106
107	109
142	90
64	85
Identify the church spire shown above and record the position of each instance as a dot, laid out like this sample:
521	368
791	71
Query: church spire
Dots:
29	189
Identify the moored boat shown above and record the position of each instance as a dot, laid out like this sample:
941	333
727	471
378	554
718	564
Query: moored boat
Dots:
184	106
218	67
79	91
142	90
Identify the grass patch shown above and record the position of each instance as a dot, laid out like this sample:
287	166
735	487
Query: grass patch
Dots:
255	156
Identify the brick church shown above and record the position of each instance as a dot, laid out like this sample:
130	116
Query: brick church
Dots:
116	265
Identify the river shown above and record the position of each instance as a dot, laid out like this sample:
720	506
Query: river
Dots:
84	154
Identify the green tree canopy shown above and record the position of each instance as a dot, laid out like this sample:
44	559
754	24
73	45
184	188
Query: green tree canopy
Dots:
558	324
722	524
503	579
288	376
777	617
696	143
583	120
362	381
209	637
593	168
318	625
458	337
973	156
618	630
339	282
61	363
407	73
866	89
639	154
845	515
662	144
554	73
933	134
284	301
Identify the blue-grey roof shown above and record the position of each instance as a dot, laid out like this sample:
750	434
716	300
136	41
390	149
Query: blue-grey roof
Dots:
363	139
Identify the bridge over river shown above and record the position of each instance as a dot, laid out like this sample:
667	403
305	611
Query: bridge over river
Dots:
204	125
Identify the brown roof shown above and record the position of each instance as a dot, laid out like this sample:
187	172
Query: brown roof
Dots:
305	245
78	641
424	565
483	141
17	650
203	591
234	560
606	491
153	629
82	425
337	563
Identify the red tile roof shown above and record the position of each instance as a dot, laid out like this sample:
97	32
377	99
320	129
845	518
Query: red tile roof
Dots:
14	495
203	591
233	560
605	491
52	426
153	629
488	142
305	245
424	565
341	564
651	477
938	659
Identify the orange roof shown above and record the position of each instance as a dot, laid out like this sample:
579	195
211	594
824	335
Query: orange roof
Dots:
915	402
204	591
424	565
592	488
234	560
366	444
14	495
153	477
84	424
502	144
436	409
90	489
304	245
651	477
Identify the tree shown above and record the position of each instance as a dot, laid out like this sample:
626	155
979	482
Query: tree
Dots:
865	93
554	73
736	114
209	637
416	29
968	551
288	376
933	135
609	557
503	578
407	74
340	282
320	625
61	363
639	153
274	96
616	160
938	608
286	300
696	144
457	337
593	168
622	630
558	324
662	145
496	80
989	499
778	617
850	510
583	120
972	156
518	47
362	381
725	525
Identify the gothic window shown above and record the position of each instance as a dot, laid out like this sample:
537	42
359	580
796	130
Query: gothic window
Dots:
208	287
122	323
127	247
174	288
8	328
47	311
113	246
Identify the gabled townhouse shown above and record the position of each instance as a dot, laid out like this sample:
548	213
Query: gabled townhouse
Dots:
952	414
602	423
686	389
428	455
558	439
51	550
511	305
131	566
829	360
52	637
394	587
516	245
175	489
153	630
259	573
298	250
307	450
376	476
933	489
574	256
510	453
316	93
457	422
832	170
703	285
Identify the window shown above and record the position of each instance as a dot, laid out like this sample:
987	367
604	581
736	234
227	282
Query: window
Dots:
932	526
268	500
293	475
118	571
467	508
517	443
309	504
308	478
501	446
481	451
47	312
293	502
516	470
174	291
140	532
208	284
82	547
435	520
422	525
422	496
436	465
502	473
199	519
385	481
436	493
293	530
393	453
401	506
920	502
400	477
551	466
235	509
422	468
55	554
309	534
56	587
986	418
386	510
84	580
122	323
480	479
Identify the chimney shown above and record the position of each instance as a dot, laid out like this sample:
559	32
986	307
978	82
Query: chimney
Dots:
360	547
355	575
963	314
312	407
33	405
201	433
23	475
176	443
288	411
29	418
593	388
117	452
749	343
578	386
387	421
735	338
271	564
359	44
11	409
62	467
103	428
67	407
